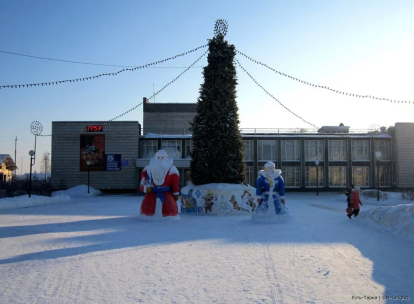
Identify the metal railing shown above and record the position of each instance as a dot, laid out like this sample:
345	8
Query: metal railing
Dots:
260	131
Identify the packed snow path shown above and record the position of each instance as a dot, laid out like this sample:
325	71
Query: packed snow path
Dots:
98	250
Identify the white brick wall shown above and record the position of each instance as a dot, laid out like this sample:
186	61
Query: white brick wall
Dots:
404	140
120	138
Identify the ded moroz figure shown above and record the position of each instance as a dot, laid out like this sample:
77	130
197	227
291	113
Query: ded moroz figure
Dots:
270	192
160	181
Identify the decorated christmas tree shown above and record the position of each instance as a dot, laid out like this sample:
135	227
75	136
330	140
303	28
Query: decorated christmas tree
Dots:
218	151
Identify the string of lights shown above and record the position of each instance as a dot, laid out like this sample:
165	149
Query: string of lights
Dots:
159	91
324	87
134	108
89	63
100	75
255	81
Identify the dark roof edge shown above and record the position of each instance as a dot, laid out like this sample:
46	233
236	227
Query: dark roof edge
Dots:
170	107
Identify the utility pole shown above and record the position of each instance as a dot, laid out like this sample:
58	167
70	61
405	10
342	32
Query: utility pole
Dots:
21	168
15	159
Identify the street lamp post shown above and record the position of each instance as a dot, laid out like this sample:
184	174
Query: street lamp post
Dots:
317	177
32	154
377	156
88	163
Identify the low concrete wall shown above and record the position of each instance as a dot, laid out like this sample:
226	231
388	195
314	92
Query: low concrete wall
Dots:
218	199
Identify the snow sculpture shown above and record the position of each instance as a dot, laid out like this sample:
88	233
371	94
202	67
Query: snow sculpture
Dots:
270	192
218	199
160	181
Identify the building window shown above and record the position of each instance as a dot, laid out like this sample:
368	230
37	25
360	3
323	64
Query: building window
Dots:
384	176
148	148
267	150
291	176
248	149
337	176
172	147
290	150
310	176
360	176
249	179
188	148
360	150
383	146
337	150
314	150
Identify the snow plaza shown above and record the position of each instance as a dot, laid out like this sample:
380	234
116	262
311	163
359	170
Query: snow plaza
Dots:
291	242
76	247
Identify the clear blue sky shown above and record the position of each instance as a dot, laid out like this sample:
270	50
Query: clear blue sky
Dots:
360	47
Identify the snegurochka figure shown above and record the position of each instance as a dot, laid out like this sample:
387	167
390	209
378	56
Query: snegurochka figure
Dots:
270	191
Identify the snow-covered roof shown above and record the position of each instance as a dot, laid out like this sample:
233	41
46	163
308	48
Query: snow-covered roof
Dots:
4	156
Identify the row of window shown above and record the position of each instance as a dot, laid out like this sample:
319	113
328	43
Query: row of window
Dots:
314	150
291	150
337	176
172	147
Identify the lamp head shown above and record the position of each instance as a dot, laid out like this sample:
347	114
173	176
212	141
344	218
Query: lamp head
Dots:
378	154
317	162
88	163
32	153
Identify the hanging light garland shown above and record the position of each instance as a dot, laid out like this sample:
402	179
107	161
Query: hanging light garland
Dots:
324	87
156	93
100	75
255	81
134	108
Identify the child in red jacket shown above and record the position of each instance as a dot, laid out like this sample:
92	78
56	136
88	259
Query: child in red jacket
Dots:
355	201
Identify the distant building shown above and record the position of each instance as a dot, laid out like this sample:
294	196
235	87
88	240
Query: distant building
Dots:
7	166
38	176
334	129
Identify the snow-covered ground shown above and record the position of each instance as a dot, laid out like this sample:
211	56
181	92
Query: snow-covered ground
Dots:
76	247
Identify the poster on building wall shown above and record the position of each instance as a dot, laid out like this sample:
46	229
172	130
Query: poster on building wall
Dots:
92	150
113	162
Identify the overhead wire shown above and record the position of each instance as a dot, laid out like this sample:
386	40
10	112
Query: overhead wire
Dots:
90	63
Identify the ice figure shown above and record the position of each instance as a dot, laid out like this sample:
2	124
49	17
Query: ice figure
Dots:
270	192
160	181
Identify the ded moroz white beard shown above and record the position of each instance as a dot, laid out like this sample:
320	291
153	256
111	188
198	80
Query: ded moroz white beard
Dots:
159	170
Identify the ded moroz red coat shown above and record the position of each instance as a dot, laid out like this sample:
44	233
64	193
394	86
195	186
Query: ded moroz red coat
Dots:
171	180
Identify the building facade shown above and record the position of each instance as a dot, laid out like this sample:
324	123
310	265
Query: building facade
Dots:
7	166
404	154
329	159
103	153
